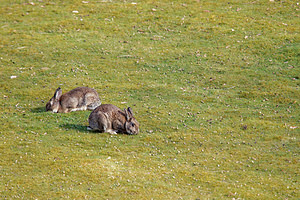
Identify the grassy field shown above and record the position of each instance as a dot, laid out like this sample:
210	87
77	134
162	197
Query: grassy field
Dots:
214	85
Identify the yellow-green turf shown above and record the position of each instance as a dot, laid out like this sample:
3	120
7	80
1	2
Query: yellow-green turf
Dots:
213	83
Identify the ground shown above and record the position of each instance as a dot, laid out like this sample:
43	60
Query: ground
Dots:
213	84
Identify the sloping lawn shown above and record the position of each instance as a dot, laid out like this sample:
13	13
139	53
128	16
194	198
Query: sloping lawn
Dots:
213	84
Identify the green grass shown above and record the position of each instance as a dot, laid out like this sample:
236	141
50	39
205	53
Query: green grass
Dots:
214	85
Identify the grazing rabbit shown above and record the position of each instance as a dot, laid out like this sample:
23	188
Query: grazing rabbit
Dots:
111	119
80	98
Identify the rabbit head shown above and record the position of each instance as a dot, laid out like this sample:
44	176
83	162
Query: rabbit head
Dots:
53	104
131	124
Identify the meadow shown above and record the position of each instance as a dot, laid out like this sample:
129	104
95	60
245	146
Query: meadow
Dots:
214	85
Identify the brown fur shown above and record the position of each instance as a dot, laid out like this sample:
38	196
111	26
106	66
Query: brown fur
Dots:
81	98
111	119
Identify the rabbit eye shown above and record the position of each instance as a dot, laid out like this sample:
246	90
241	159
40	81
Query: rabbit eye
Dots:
132	124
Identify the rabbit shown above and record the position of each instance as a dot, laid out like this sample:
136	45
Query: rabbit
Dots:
81	98
111	119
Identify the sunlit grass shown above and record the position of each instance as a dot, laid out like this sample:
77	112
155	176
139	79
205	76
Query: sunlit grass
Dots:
214	85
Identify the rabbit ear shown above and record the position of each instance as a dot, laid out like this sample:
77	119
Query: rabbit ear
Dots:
130	111
127	114
58	93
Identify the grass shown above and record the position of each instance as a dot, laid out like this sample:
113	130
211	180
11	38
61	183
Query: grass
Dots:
214	85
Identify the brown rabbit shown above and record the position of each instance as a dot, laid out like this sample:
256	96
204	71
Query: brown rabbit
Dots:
81	98
111	119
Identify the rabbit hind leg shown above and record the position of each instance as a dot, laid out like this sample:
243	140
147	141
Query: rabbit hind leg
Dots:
93	105
78	109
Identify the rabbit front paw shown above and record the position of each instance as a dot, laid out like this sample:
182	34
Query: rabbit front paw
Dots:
112	132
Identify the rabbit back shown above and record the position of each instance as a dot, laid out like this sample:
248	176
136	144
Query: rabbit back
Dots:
110	118
81	98
105	117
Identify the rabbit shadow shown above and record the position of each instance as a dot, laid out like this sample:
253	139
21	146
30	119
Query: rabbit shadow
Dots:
38	110
77	127
82	128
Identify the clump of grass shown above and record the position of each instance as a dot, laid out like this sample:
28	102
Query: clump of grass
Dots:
214	85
